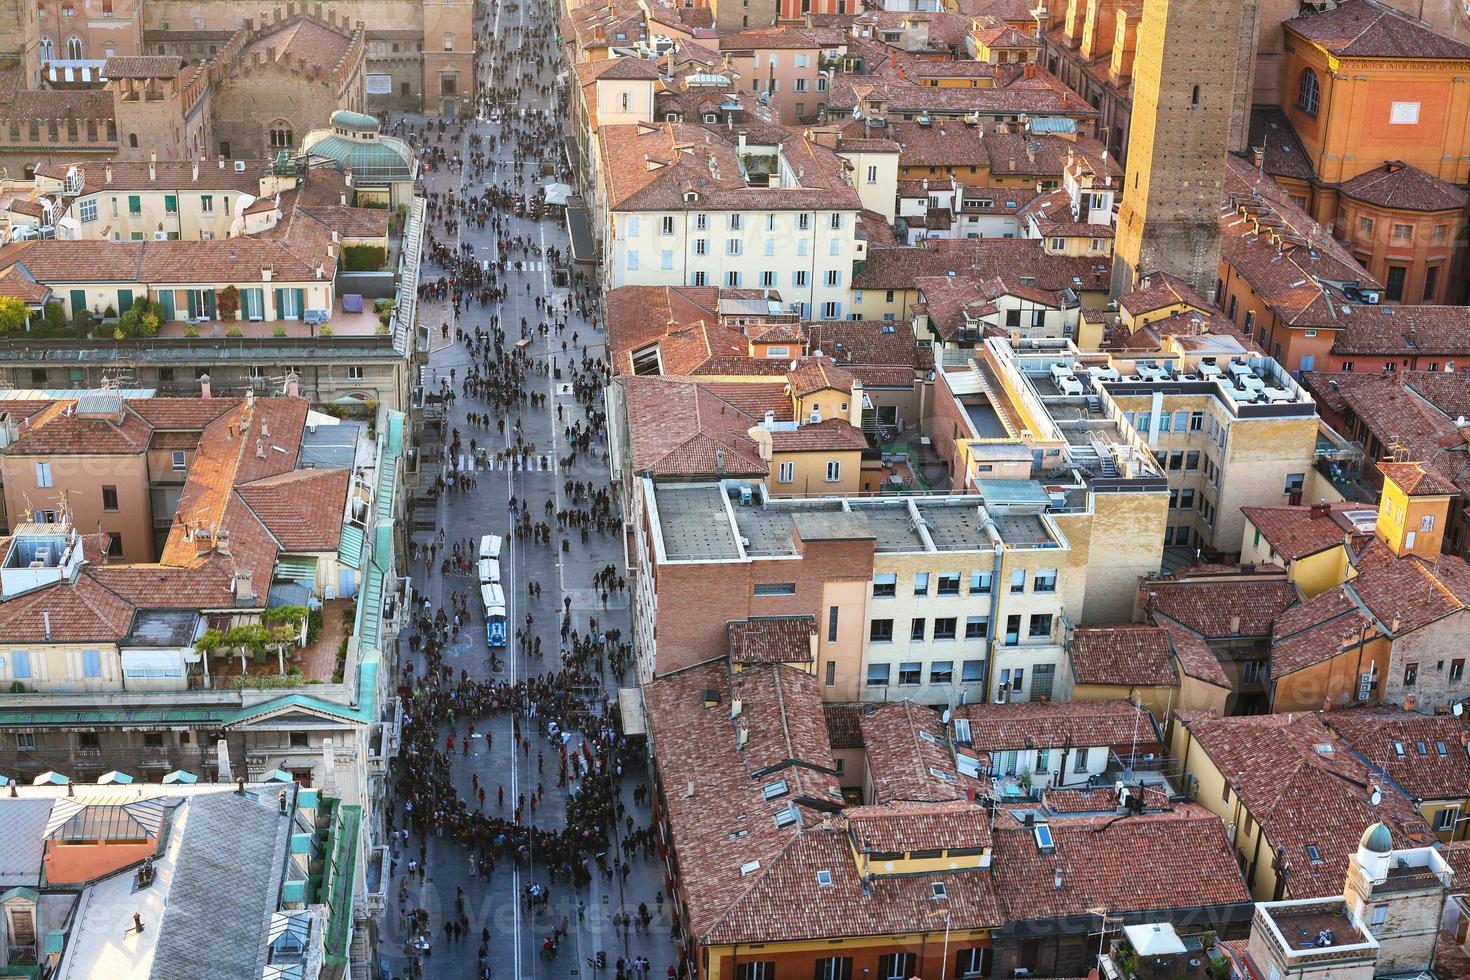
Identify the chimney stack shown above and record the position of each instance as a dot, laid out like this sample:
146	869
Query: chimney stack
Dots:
1411	702
204	386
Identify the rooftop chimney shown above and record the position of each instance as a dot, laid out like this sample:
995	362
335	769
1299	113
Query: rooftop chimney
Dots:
46	623
244	590
204	386
196	171
153	166
293	384
1234	625
1411	702
108	172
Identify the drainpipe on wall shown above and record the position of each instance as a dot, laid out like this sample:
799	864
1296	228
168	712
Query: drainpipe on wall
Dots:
988	527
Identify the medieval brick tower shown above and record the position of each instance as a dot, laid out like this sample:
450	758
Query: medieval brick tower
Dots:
1189	77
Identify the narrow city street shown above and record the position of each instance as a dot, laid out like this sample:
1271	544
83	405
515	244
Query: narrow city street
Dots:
514	464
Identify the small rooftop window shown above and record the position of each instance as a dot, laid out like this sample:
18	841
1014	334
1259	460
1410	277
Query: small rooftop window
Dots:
1314	854
824	878
749	867
1398	748
1045	843
937	890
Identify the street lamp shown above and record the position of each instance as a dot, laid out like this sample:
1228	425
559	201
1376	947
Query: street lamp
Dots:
944	962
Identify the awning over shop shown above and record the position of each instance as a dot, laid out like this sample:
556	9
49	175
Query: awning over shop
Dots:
630	705
579	227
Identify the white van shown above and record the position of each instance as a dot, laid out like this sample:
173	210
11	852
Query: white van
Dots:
490	546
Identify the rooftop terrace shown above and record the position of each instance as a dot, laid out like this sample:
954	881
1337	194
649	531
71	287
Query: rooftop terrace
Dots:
735	521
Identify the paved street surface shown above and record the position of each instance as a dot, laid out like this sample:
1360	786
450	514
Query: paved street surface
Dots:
516	935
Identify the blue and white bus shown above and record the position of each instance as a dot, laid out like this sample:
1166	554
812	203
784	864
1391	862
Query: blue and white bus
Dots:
495	621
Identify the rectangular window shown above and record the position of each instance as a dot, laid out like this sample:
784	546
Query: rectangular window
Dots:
786	473
206	203
88	210
831	680
170	204
632	260
945	627
834	968
916	628
756	971
1013	630
20	664
831	624
921	583
180	460
732	279
1079	759
666	259
1411	674
872	174
977	627
949	583
979	583
1045	580
1457	669
701	246
109	498
1040	626
910	673
733	246
972	671
969	963
775	588
25	742
1395	282
1018	581
43	475
881	631
1402	232
878	675
885	585
834	471
896	966
1041	682
91	663
941	672
666	225
735	221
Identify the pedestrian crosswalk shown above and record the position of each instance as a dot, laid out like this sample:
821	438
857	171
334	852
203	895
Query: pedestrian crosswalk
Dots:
535	464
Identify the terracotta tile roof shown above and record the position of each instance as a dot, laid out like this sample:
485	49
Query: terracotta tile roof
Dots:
1008	258
14	282
60	430
1180	859
1403	331
1123	654
876	343
679	428
850	905
1258	217
189	414
918	825
1318	630
953	302
1301	797
1285	157
1409	593
1217	607
1159	290
303	509
1423	754
814	374
1196	658
54	261
1363	29
83	611
844	725
828	435
640	315
906	745
46	105
718	814
754	398
302	40
142	66
1294	532
652	167
943	144
622	69
1415	480
1399	185
1054	724
771	640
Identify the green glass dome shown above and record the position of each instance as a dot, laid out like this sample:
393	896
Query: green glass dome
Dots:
371	156
1377	839
356	122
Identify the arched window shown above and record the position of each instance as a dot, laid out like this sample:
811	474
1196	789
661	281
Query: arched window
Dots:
1308	92
448	41
280	136
133	140
74	48
48	52
1194	96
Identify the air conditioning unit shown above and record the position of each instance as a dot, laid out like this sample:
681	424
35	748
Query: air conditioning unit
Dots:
239	166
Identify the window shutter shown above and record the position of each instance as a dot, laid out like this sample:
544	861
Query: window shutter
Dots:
170	203
209	305
280	304
193	298
300	301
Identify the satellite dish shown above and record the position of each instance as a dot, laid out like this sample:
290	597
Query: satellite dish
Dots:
944	718
1376	797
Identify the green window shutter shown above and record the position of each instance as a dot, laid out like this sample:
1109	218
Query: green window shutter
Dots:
78	300
209	307
280	303
166	300
124	300
171	203
193	303
300	301
135	204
